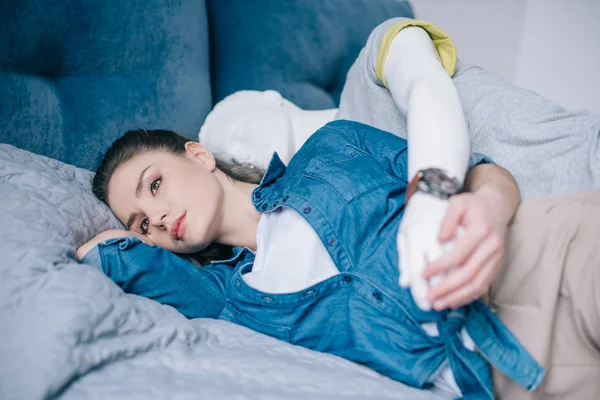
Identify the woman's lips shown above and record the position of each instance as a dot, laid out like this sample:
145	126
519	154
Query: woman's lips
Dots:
178	228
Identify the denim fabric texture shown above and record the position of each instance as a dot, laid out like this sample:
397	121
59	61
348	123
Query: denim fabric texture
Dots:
348	181
158	274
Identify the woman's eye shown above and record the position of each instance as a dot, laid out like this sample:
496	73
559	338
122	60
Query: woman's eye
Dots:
144	225
154	186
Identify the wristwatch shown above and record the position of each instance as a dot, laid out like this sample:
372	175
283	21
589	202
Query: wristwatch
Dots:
434	181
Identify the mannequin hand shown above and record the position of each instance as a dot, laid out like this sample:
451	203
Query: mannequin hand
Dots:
418	245
107	235
476	258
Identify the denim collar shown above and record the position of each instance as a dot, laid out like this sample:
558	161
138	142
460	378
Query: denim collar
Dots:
275	170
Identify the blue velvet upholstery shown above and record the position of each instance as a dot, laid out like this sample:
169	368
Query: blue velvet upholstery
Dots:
75	74
301	48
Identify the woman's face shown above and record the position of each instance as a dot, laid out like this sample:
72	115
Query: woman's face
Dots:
174	200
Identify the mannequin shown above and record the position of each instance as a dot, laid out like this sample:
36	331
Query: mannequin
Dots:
248	126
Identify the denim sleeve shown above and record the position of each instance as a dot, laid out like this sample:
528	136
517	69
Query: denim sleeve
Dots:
478	158
158	274
93	258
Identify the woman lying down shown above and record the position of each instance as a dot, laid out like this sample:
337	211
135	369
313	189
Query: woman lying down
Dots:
331	251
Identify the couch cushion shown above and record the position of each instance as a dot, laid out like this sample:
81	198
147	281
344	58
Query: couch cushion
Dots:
301	48
74	75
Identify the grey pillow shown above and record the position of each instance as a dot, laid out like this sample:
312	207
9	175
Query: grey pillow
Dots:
60	319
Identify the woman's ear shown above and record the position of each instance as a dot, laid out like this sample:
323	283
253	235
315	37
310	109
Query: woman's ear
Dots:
201	154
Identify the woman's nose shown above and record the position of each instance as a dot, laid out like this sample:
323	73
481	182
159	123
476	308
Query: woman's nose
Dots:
158	219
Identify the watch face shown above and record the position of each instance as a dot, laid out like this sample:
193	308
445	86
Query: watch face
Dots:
439	183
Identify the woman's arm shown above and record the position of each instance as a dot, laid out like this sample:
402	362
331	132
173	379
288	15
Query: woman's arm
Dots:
158	274
84	249
484	213
498	186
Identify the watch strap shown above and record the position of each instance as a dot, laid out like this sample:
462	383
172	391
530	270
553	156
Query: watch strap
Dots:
414	185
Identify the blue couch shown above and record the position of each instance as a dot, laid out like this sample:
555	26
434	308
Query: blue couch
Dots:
75	74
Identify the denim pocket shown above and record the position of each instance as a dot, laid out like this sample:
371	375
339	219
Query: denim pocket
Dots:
352	175
243	319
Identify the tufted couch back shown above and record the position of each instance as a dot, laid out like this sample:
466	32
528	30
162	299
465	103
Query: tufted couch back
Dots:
301	48
75	74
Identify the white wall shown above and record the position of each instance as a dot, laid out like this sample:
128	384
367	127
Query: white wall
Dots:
549	46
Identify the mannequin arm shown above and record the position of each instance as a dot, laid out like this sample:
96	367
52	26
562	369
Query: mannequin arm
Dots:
454	246
423	91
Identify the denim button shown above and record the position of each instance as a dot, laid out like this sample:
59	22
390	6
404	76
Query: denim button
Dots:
285	198
237	283
264	206
267	299
347	279
258	195
377	295
308	293
275	204
307	209
331	241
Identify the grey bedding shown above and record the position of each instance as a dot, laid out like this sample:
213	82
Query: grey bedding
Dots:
67	331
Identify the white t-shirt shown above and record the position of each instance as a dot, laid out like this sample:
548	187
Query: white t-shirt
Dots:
291	257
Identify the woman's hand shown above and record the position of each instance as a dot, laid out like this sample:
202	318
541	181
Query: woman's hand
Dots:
418	244
107	235
451	251
484	214
475	259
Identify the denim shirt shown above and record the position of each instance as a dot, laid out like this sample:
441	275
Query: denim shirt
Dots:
348	181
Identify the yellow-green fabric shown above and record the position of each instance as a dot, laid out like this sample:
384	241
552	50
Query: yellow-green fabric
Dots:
443	44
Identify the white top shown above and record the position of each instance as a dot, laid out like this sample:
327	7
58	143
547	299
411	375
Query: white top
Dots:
291	257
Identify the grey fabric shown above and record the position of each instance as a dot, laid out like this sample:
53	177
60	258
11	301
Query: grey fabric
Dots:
547	148
68	331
